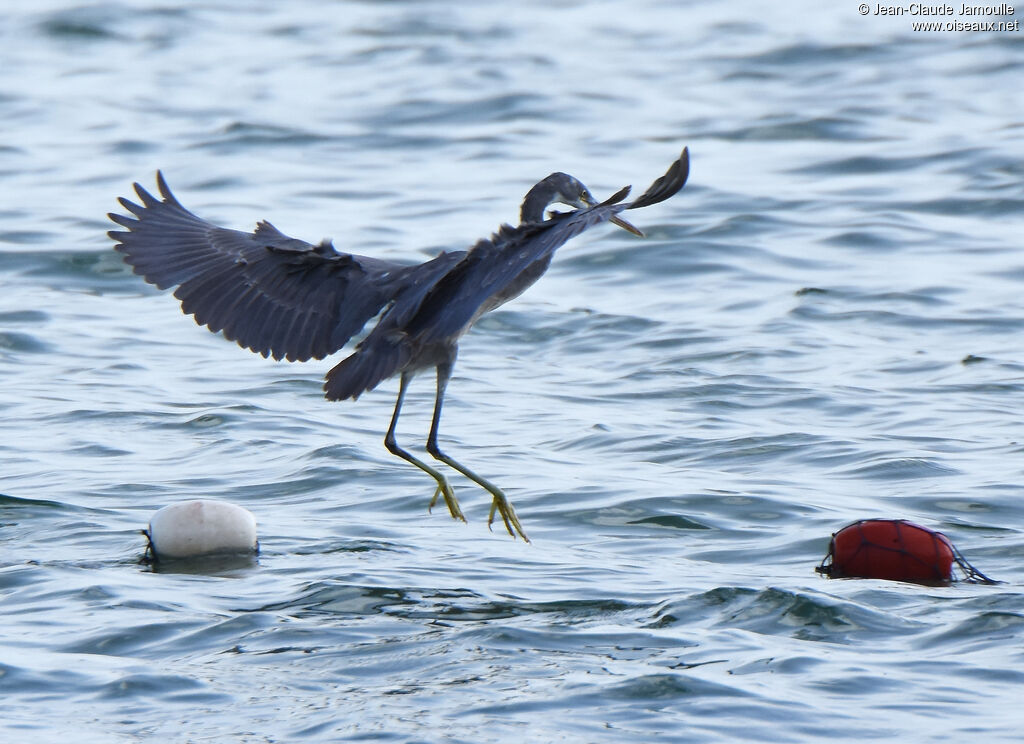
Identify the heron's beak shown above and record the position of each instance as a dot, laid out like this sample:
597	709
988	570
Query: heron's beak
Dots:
616	220
588	201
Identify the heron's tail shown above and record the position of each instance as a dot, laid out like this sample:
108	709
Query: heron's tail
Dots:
366	368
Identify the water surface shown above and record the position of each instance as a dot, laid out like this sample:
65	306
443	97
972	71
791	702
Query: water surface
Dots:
825	325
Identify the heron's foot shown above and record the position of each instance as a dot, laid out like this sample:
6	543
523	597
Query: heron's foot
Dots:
503	506
444	489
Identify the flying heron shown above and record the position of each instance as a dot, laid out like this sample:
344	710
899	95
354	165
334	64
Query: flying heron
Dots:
283	297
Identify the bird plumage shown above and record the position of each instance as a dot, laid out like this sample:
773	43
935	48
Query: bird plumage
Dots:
289	299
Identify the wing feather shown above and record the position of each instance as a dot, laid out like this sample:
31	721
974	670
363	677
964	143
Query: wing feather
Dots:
271	293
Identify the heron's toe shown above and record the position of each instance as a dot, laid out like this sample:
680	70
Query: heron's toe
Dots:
445	489
508	515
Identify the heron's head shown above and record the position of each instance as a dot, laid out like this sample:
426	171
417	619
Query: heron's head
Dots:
558	188
561	188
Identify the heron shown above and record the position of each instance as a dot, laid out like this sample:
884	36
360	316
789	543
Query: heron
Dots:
283	297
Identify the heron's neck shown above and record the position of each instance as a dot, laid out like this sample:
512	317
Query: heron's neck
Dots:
537	200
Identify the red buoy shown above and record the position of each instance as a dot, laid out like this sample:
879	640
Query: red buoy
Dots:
896	550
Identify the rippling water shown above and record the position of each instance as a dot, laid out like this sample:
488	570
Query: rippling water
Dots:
825	325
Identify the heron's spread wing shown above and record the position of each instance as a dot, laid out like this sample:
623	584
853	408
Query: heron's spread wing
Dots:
272	294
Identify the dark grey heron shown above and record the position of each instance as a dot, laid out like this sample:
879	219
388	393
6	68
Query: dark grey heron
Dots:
286	298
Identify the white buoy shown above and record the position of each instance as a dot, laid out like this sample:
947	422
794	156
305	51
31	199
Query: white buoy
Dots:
202	527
